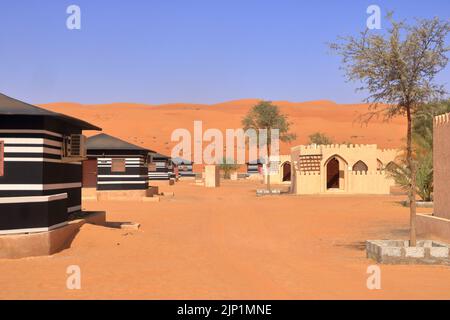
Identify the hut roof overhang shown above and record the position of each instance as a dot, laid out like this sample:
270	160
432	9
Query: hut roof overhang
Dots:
104	144
13	107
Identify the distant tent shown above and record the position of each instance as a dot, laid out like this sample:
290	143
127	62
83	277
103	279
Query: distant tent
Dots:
120	164
161	167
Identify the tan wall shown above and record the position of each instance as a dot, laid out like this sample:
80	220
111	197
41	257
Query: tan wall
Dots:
276	176
441	159
306	183
373	181
370	182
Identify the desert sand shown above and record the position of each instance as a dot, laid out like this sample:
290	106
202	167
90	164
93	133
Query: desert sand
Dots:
152	125
226	243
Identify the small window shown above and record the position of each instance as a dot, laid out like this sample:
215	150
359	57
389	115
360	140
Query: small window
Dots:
2	158
118	165
360	166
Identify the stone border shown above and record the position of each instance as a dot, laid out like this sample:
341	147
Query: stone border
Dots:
399	252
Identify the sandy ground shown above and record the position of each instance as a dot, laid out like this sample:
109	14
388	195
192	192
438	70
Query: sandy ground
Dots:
226	243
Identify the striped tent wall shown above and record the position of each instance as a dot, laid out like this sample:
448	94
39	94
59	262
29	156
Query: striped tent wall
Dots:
135	176
37	189
186	170
253	168
162	170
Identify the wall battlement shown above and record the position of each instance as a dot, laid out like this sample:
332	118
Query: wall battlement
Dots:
442	119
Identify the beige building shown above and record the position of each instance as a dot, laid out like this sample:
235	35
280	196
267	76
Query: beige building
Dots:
438	224
280	170
342	169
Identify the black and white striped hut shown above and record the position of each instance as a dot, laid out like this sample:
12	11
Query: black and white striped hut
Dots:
161	167
40	167
115	164
254	167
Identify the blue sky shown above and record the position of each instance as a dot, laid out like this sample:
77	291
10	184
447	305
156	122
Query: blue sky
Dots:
200	51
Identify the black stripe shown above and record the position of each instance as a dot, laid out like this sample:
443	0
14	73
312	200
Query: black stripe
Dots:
40	173
32	215
30	135
122	186
32	155
122	179
31	145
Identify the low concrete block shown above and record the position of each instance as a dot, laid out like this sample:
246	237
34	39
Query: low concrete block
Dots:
130	226
441	252
399	252
415	252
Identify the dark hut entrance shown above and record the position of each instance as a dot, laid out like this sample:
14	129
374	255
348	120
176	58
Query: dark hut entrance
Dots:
333	174
286	171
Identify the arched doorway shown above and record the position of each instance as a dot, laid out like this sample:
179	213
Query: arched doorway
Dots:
333	174
360	166
286	171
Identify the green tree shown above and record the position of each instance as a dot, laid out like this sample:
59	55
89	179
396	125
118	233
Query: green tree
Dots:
319	138
266	115
227	166
398	69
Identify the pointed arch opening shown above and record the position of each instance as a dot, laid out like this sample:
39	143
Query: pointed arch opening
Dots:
286	171
360	166
335	173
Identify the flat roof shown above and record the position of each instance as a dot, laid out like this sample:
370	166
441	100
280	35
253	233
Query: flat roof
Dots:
13	107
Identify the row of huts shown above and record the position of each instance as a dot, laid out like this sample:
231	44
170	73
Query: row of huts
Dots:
43	166
45	160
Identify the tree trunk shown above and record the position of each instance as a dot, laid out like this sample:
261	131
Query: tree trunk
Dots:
412	188
268	169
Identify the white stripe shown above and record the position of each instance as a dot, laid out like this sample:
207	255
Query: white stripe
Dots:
128	166
122	182
39	187
7	159
53	197
73	209
126	162
34	230
121	176
39	141
32	131
33	150
126	159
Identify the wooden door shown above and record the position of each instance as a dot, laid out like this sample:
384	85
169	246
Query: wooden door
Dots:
90	173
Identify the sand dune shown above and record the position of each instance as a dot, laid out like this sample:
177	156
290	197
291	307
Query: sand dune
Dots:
151	125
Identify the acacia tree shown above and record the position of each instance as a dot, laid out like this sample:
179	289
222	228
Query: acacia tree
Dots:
319	138
398	70
265	115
